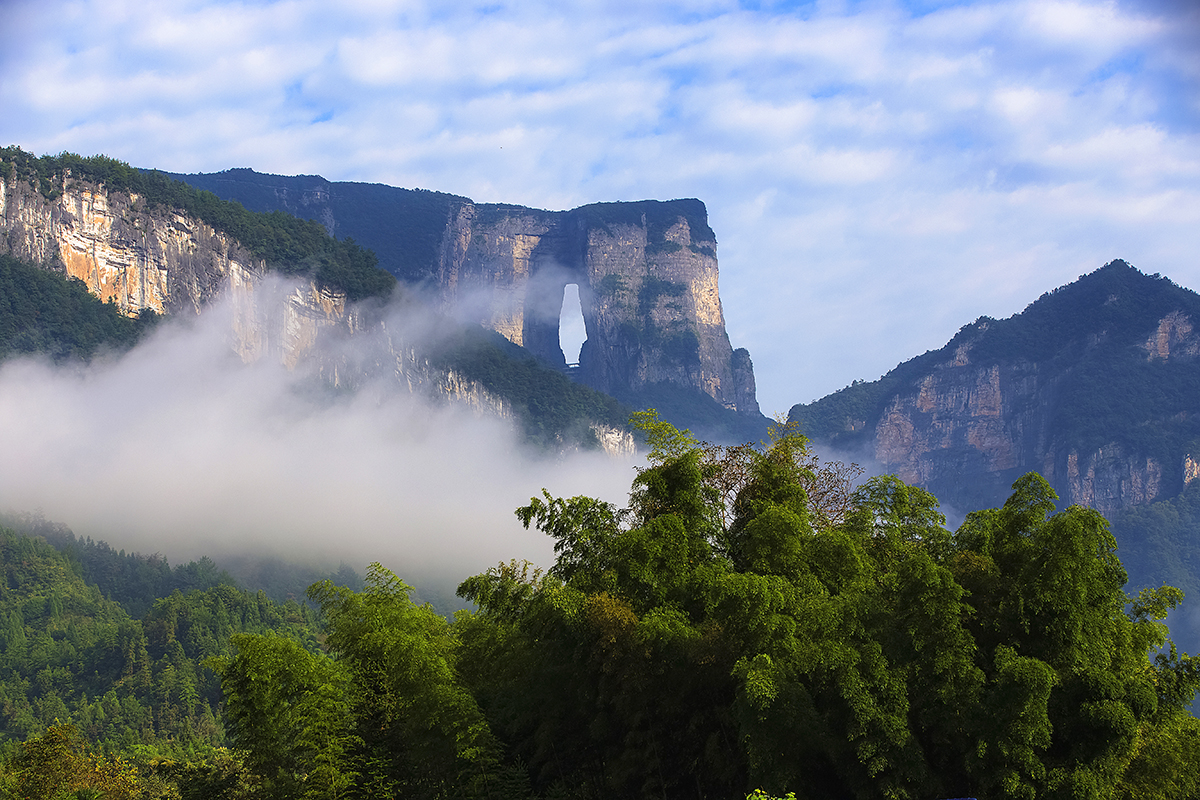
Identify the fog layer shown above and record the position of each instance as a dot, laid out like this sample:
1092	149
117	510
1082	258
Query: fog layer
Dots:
178	447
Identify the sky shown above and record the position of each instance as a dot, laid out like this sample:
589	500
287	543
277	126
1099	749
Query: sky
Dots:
878	174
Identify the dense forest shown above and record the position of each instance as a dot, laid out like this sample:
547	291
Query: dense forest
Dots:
749	622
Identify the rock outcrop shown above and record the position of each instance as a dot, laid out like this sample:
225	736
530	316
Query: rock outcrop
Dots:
966	432
125	253
142	258
646	271
647	279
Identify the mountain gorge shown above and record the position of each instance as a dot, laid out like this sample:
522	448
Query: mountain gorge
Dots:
1095	386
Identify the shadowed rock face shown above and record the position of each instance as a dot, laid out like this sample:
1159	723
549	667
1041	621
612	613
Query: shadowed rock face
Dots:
647	287
646	271
966	432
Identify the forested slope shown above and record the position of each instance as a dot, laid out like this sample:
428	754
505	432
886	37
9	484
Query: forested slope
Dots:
751	620
70	654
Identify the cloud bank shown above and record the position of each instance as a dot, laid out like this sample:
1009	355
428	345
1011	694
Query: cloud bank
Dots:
178	447
878	173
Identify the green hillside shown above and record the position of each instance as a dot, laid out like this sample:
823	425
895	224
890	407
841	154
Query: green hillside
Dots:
45	313
68	654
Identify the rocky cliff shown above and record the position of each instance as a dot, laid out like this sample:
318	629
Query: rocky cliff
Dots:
647	275
144	256
1094	386
141	257
647	278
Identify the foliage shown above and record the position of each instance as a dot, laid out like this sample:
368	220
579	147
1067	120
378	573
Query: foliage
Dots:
1160	542
552	408
59	764
134	580
290	245
420	734
47	313
70	655
404	227
730	630
287	709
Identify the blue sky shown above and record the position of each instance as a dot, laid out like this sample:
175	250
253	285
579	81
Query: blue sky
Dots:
878	173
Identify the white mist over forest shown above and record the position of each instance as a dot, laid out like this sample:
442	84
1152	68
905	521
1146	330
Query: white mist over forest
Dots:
178	447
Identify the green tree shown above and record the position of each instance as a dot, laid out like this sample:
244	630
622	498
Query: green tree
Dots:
420	733
735	627
59	764
288	709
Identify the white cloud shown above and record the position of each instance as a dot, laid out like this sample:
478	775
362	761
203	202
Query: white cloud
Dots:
179	448
876	179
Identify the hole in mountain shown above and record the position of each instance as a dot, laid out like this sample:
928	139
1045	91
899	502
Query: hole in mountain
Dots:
571	331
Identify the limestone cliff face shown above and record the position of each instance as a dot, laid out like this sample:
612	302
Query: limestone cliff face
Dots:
966	432
125	253
646	271
648	290
150	258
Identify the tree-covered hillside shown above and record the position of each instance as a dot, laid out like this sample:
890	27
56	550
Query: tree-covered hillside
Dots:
47	314
70	654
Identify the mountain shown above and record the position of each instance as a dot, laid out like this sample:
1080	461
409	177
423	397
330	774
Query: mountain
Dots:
146	245
646	271
1095	385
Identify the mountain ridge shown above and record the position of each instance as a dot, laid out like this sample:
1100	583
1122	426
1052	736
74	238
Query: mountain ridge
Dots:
1091	385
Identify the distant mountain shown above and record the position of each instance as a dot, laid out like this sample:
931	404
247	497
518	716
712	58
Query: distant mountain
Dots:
1096	385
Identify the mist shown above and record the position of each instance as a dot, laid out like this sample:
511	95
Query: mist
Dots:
180	448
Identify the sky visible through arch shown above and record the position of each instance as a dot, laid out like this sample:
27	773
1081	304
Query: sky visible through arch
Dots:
877	173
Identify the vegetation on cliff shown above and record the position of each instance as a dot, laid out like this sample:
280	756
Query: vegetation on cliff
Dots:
403	227
287	244
553	409
44	313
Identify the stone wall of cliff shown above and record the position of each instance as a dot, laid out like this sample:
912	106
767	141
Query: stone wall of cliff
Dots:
152	258
125	253
646	271
966	432
649	295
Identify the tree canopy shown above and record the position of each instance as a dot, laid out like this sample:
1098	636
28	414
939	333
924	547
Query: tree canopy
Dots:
691	647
